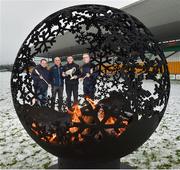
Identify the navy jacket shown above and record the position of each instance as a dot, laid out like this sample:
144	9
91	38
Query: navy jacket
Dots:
89	81
56	75
39	83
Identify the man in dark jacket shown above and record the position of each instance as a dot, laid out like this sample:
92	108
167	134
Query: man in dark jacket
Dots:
41	78
57	82
72	73
89	75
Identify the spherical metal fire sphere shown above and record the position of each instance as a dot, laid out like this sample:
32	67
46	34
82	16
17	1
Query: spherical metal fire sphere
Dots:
131	86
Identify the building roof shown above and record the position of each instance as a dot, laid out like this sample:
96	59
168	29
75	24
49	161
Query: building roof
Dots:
162	17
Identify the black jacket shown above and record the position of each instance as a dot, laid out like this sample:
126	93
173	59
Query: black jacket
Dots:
92	79
40	83
77	73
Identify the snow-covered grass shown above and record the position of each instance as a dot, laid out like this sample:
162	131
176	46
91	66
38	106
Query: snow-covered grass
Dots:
18	150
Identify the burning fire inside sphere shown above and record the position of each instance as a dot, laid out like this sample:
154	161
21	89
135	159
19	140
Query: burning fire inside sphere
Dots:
131	91
76	117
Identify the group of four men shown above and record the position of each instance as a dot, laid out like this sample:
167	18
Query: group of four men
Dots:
56	75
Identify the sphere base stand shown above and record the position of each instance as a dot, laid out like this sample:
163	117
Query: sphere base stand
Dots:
81	164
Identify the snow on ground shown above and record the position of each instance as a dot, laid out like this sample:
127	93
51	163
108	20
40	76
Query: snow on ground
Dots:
18	150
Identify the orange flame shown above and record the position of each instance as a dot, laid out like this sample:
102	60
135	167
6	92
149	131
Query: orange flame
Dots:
91	102
76	113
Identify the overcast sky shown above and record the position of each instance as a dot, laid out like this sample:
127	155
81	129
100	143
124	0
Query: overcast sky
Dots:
19	17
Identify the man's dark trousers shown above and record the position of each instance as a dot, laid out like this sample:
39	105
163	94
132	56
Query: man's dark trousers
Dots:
71	88
59	90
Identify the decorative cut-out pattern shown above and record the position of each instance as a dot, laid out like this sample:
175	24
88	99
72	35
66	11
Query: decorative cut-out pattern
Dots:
126	57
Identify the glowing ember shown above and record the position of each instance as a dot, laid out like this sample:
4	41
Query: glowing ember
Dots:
52	138
111	121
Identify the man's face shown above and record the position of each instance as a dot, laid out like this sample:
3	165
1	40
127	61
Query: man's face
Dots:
69	59
43	63
86	58
57	61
